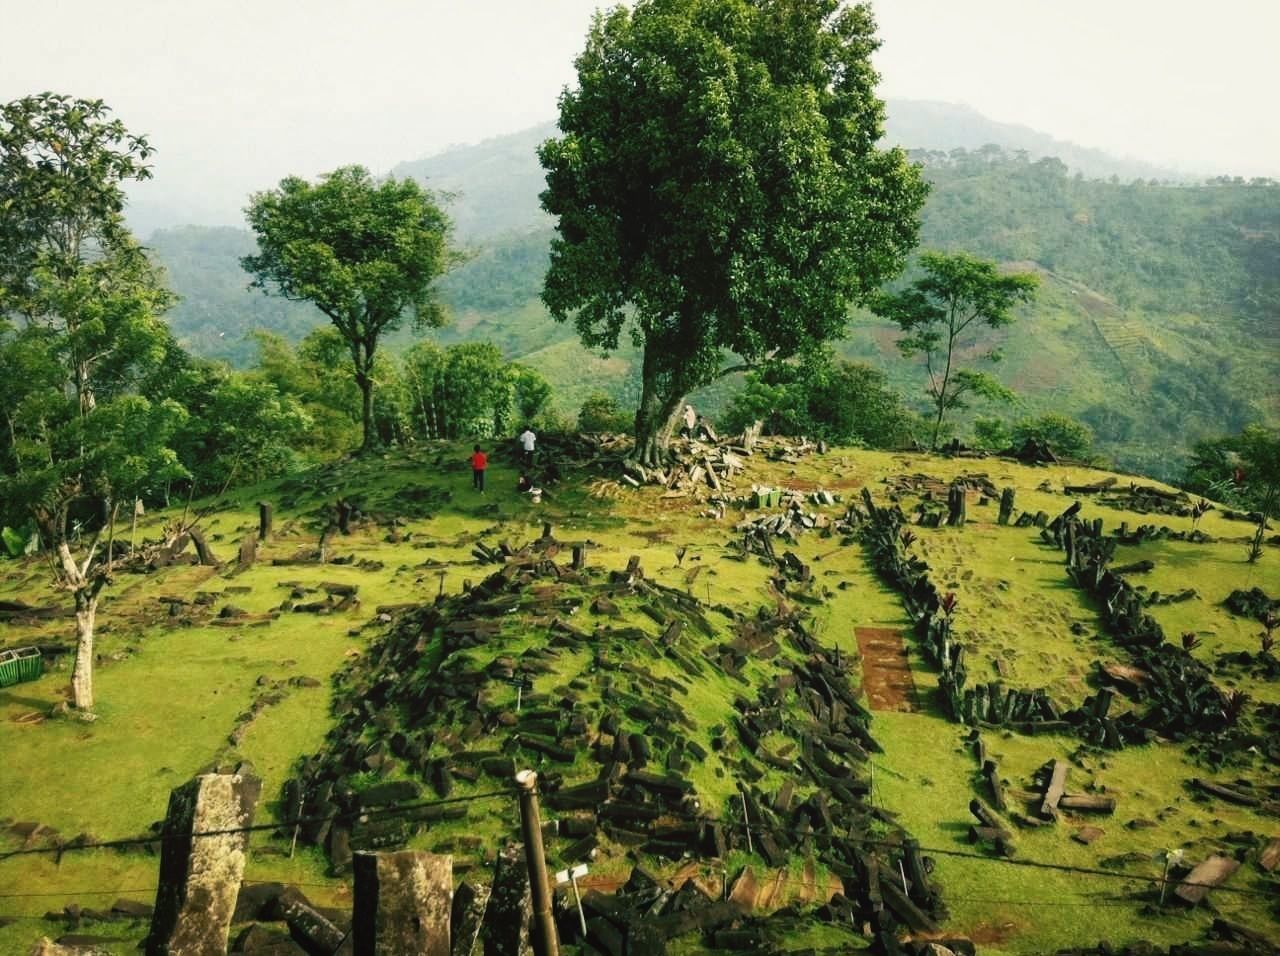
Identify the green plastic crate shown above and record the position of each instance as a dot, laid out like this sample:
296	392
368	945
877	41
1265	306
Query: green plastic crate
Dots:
20	665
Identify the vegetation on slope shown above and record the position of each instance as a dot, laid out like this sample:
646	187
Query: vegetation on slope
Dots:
194	670
1151	326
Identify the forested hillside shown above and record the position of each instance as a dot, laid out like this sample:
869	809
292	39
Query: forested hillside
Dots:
1156	323
498	181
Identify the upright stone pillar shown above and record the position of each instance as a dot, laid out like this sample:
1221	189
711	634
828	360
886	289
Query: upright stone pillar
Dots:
506	922
1006	506
200	875
402	903
470	903
956	505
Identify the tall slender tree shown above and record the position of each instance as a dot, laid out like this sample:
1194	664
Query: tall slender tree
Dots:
941	313
83	302
718	188
365	253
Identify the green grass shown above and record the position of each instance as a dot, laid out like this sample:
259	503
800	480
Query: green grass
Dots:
169	695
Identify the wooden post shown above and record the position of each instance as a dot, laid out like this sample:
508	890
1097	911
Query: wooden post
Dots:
579	557
264	521
545	941
402	903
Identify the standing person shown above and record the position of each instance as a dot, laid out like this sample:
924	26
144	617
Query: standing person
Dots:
479	462
527	440
690	421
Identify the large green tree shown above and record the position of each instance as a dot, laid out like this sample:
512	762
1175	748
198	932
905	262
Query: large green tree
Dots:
365	253
718	188
83	303
941	314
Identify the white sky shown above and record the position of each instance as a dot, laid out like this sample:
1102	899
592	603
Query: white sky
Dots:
237	93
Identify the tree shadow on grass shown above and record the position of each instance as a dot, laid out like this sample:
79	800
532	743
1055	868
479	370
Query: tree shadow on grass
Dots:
16	699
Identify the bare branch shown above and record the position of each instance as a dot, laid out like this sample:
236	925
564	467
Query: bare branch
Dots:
88	558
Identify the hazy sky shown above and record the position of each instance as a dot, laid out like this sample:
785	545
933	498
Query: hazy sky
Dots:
237	93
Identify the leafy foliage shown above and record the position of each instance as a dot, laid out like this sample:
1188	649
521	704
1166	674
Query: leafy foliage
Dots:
1067	437
1238	469
992	434
601	413
957	293
470	390
717	187
62	163
363	253
1151	322
822	397
240	428
89	301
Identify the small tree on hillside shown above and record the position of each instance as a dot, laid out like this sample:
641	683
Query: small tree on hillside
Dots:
718	188
823	397
1241	470
1066	436
1260	454
86	301
364	253
600	413
531	392
957	294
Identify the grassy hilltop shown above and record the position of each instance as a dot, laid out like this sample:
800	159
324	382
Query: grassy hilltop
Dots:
185	684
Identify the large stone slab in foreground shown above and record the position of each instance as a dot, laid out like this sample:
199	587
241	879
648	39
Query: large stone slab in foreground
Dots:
402	903
200	875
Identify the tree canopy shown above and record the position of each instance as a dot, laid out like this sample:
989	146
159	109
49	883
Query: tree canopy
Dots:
847	403
365	253
82	439
718	187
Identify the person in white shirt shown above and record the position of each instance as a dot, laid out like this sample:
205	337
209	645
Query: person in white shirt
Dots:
527	440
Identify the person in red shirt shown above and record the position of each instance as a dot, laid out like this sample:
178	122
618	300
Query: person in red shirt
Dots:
479	462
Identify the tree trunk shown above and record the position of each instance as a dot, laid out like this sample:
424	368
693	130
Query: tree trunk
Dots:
1255	550
655	419
82	675
937	427
366	394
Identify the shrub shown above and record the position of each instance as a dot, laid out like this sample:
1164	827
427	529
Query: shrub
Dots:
600	413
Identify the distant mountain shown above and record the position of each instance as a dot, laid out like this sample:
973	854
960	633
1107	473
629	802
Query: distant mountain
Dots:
1157	324
217	310
496	182
933	125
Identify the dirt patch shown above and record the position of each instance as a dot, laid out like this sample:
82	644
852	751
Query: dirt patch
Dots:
988	934
833	484
886	674
655	536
